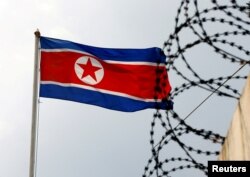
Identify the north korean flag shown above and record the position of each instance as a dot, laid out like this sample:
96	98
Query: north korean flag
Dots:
118	79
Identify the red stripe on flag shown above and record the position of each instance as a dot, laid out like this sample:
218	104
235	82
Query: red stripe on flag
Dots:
135	80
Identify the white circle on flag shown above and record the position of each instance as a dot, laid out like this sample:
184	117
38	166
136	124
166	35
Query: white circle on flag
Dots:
89	70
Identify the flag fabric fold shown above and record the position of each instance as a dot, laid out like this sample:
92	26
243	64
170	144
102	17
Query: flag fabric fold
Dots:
118	79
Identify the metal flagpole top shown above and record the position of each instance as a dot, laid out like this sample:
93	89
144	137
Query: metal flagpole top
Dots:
37	33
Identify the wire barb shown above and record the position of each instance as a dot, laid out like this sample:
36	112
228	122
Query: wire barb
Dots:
196	20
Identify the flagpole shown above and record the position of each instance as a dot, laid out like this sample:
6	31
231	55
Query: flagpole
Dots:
32	170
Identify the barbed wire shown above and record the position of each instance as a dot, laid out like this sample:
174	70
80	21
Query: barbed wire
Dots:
234	18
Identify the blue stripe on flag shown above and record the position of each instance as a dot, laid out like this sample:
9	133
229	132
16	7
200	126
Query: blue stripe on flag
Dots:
95	98
153	54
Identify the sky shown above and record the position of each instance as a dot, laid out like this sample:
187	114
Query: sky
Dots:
77	139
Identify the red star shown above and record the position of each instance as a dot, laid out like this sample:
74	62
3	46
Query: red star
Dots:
89	69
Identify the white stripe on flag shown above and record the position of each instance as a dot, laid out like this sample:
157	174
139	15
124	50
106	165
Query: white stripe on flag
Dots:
99	90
